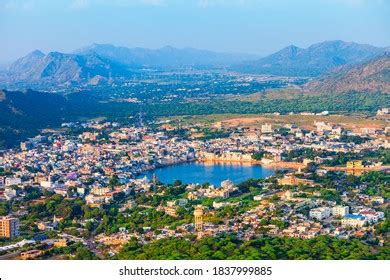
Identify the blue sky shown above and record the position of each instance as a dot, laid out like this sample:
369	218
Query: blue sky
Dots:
250	26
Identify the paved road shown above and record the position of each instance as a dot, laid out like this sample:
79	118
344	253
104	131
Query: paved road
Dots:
10	256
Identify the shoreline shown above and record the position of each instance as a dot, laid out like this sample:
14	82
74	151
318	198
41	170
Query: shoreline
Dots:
280	164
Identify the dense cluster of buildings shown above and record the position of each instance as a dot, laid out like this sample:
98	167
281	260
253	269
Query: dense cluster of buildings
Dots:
104	160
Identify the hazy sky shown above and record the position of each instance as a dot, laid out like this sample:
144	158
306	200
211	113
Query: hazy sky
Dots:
251	26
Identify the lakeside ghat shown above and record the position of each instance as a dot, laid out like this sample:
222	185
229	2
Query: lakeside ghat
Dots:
213	173
247	158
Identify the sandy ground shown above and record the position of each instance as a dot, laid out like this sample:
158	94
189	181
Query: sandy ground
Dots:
307	122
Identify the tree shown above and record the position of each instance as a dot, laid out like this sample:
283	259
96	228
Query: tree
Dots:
177	183
114	181
229	247
4	208
82	253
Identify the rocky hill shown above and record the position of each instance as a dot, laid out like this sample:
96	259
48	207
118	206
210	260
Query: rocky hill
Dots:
372	76
57	68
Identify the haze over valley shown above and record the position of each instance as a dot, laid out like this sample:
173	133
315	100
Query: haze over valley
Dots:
109	65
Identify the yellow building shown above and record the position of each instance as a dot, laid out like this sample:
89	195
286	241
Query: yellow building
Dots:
192	196
266	128
171	211
355	164
290	180
198	214
60	243
9	227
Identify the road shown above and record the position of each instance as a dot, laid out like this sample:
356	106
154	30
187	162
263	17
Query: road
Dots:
10	256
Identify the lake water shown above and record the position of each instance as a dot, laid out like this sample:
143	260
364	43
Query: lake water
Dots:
215	173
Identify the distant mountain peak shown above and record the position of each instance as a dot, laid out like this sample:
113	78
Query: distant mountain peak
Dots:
36	53
169	48
292	47
101	45
55	54
58	68
95	47
331	42
290	50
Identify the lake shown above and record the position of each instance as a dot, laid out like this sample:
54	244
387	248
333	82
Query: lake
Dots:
215	173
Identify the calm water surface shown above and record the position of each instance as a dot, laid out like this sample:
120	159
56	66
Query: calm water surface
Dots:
197	172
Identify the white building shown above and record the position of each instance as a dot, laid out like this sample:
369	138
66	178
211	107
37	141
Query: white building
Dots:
96	190
383	111
372	217
47	184
323	127
9	181
320	213
92	199
9	193
353	220
227	184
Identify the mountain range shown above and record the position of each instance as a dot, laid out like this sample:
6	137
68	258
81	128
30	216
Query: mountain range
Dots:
104	63
313	61
166	57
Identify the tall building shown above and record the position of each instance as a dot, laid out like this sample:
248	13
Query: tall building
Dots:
198	214
340	211
9	227
154	183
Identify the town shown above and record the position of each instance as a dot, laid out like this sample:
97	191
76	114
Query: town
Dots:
81	190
